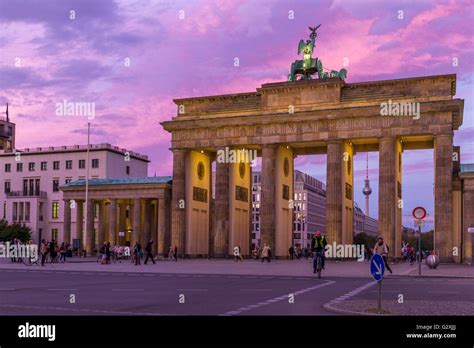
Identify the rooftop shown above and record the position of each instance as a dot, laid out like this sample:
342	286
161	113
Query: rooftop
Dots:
76	148
467	168
121	181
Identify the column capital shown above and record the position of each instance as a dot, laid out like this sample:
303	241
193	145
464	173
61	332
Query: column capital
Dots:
177	151
444	135
387	138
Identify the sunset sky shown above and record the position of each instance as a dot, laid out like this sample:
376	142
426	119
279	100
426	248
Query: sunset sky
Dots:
46	57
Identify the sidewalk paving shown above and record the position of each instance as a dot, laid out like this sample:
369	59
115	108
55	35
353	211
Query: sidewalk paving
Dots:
298	268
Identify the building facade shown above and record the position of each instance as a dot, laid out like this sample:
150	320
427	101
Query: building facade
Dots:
128	210
364	224
7	134
309	208
31	178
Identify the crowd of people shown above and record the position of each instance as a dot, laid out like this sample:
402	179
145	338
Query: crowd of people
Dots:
56	253
52	252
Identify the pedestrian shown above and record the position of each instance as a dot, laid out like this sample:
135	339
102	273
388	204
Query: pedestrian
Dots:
52	251
170	253
62	252
297	252
318	247
43	251
382	249
102	254
266	253
107	253
175	253
137	253
291	252
149	253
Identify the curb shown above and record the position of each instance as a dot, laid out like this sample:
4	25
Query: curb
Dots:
328	306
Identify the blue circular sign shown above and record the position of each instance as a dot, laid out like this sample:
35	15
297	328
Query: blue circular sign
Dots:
377	267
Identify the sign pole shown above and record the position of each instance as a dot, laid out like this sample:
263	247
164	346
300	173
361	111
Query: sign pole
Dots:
379	302
419	251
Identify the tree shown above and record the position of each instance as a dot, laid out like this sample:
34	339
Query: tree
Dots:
15	230
365	239
426	240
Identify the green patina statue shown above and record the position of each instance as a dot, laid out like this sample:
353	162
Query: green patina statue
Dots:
309	66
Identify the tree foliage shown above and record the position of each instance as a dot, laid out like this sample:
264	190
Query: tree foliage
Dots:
365	239
15	230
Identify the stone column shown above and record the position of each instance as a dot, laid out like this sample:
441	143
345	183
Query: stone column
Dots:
67	221
334	181
80	221
387	191
136	222
122	207
90	226
443	162
178	212
267	198
147	221
468	217
162	250
221	229
112	220
101	224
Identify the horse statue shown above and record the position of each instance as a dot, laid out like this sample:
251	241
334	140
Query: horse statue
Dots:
309	66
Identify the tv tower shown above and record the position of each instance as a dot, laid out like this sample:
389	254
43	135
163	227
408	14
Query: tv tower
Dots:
367	190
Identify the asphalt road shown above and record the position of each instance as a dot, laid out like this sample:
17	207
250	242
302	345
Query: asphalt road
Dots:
24	292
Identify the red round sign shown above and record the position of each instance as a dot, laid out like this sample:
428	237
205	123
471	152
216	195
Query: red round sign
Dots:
419	213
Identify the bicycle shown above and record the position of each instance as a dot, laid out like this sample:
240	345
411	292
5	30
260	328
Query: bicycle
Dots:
100	257
319	264
29	262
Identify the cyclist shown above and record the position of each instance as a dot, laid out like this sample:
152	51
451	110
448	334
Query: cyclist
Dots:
318	247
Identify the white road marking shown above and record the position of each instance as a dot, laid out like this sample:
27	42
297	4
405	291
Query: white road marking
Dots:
276	299
85	310
353	292
444	292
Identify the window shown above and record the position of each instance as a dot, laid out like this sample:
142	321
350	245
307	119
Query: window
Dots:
15	211
54	234
7	187
8	167
128	170
31	183
82	164
40	211
5	210
56	185
68	180
68	164
55	210
19	167
37	187
56	165
22	209
44	165
95	163
31	166
25	187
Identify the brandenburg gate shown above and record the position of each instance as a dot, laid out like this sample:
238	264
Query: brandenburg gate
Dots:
301	116
294	118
